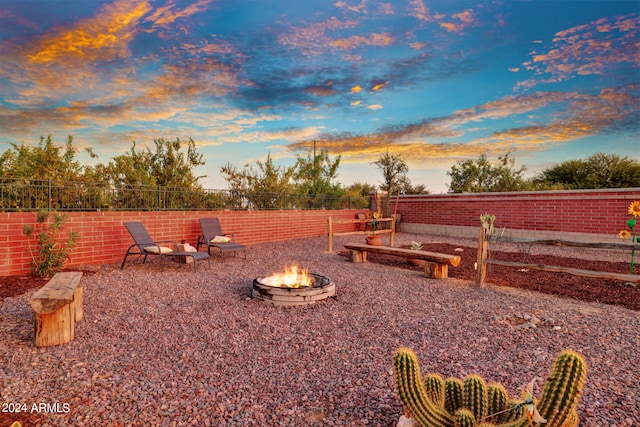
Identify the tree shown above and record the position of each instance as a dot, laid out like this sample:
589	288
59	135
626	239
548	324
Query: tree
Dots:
45	161
599	170
167	166
394	171
315	175
484	176
263	186
360	189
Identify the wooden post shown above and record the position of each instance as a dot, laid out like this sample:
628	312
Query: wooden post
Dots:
393	229
436	270
358	256
330	233
481	265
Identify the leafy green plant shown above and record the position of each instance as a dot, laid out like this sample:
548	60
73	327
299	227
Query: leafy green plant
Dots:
48	254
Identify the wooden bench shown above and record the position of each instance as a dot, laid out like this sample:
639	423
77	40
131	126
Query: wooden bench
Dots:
435	267
58	305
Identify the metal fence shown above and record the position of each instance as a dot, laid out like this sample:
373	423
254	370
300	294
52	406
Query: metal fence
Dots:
50	195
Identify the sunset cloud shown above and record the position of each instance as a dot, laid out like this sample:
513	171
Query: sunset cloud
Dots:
440	137
587	49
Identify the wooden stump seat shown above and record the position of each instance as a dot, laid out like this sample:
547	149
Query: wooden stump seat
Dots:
435	267
58	305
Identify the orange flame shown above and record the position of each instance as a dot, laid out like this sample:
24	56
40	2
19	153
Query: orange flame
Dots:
293	277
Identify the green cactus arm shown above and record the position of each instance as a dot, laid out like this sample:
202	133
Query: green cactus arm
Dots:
434	385
411	392
497	400
475	396
453	395
464	418
563	389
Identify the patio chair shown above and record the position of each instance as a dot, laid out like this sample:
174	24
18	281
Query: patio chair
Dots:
147	246
213	237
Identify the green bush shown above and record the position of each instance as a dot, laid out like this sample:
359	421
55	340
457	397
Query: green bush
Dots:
50	254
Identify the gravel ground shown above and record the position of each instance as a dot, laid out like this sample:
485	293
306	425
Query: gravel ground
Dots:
183	348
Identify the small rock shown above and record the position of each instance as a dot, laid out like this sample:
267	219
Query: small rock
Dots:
406	422
527	325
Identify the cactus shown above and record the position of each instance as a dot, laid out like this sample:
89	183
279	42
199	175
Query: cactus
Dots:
464	418
497	399
475	396
434	385
453	395
474	404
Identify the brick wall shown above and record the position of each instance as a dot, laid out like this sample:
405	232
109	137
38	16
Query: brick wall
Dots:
104	239
592	215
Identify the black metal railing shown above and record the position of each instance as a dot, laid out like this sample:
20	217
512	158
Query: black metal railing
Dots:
50	195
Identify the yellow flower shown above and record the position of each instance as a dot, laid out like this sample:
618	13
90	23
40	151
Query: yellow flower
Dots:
624	234
634	208
377	215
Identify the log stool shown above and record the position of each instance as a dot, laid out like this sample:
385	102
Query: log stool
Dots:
58	305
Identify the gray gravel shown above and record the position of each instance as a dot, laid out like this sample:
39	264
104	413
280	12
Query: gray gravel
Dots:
179	348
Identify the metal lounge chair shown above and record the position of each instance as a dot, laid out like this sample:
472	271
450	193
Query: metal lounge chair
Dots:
212	236
147	246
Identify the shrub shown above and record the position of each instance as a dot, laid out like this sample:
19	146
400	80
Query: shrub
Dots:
51	254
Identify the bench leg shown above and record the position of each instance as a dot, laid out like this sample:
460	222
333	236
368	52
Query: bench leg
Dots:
434	270
358	256
55	328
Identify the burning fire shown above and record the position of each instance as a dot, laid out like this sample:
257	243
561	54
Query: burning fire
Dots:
293	277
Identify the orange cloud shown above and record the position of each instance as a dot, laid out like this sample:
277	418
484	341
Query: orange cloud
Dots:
313	39
584	115
382	39
101	38
361	8
166	15
420	11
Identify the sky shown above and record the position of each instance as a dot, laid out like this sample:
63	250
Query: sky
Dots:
435	81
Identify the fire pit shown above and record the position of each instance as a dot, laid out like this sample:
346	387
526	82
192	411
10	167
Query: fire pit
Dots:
294	287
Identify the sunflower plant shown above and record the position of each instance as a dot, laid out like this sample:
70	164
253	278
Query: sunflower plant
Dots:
634	210
374	221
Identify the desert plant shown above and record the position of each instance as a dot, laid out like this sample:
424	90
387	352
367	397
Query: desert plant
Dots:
51	254
416	246
472	403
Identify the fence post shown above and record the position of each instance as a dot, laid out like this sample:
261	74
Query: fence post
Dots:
481	264
49	194
330	233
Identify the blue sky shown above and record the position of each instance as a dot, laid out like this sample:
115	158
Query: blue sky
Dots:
435	81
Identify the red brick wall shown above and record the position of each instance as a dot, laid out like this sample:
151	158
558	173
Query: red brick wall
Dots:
104	239
582	211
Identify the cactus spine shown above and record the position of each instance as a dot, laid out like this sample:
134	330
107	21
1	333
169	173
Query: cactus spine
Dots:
471	403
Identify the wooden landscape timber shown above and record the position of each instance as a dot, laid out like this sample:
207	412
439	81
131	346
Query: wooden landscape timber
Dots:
635	278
